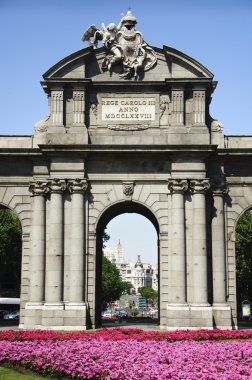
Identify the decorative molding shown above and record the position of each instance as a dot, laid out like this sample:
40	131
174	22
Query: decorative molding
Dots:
77	185
39	188
57	185
42	125
94	108
199	185
177	185
216	126
128	189
129	127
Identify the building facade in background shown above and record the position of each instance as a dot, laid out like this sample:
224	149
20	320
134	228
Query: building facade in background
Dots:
137	273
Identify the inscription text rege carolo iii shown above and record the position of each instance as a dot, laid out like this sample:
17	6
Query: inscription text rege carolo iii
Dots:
128	108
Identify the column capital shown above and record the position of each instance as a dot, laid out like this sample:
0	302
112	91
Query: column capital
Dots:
77	185
177	185
219	188
38	188
199	185
57	185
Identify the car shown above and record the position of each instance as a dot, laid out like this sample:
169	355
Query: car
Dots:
3	313
13	315
107	314
153	313
123	314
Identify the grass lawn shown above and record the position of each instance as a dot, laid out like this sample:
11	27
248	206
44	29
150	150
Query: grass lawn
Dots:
11	374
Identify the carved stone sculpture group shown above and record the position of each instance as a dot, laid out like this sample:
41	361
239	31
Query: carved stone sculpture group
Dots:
124	45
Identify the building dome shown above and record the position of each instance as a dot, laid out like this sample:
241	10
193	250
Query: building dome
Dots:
138	263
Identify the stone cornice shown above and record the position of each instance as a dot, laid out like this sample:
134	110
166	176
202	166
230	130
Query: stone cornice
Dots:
128	148
78	55
234	151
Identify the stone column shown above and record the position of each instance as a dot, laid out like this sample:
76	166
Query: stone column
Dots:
218	245
198	188
177	259
76	281
201	314
221	310
37	267
53	288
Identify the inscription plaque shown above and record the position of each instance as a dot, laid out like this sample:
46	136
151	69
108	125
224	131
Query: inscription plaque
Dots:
128	109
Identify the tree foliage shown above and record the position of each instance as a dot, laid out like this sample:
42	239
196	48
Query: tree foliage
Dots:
111	282
148	293
243	239
10	253
127	286
105	238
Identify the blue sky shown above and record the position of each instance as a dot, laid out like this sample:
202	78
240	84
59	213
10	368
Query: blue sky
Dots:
35	34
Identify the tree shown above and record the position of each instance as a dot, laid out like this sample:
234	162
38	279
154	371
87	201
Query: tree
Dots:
111	282
243	237
148	293
105	238
127	286
10	253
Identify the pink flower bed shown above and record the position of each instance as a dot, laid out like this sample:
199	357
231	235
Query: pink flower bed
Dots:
132	360
131	354
129	333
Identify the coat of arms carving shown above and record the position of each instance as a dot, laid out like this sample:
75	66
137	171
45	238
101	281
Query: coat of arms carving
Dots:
124	45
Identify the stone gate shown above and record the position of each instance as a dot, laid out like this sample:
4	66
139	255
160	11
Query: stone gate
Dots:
128	130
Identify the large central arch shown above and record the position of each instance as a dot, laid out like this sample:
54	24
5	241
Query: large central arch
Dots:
108	214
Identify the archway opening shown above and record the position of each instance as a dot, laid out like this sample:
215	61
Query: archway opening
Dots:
10	266
243	247
133	251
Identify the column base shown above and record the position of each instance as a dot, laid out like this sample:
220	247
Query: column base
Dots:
32	315
177	316
222	316
192	317
55	316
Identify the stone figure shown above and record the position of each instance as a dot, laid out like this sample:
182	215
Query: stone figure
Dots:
124	44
